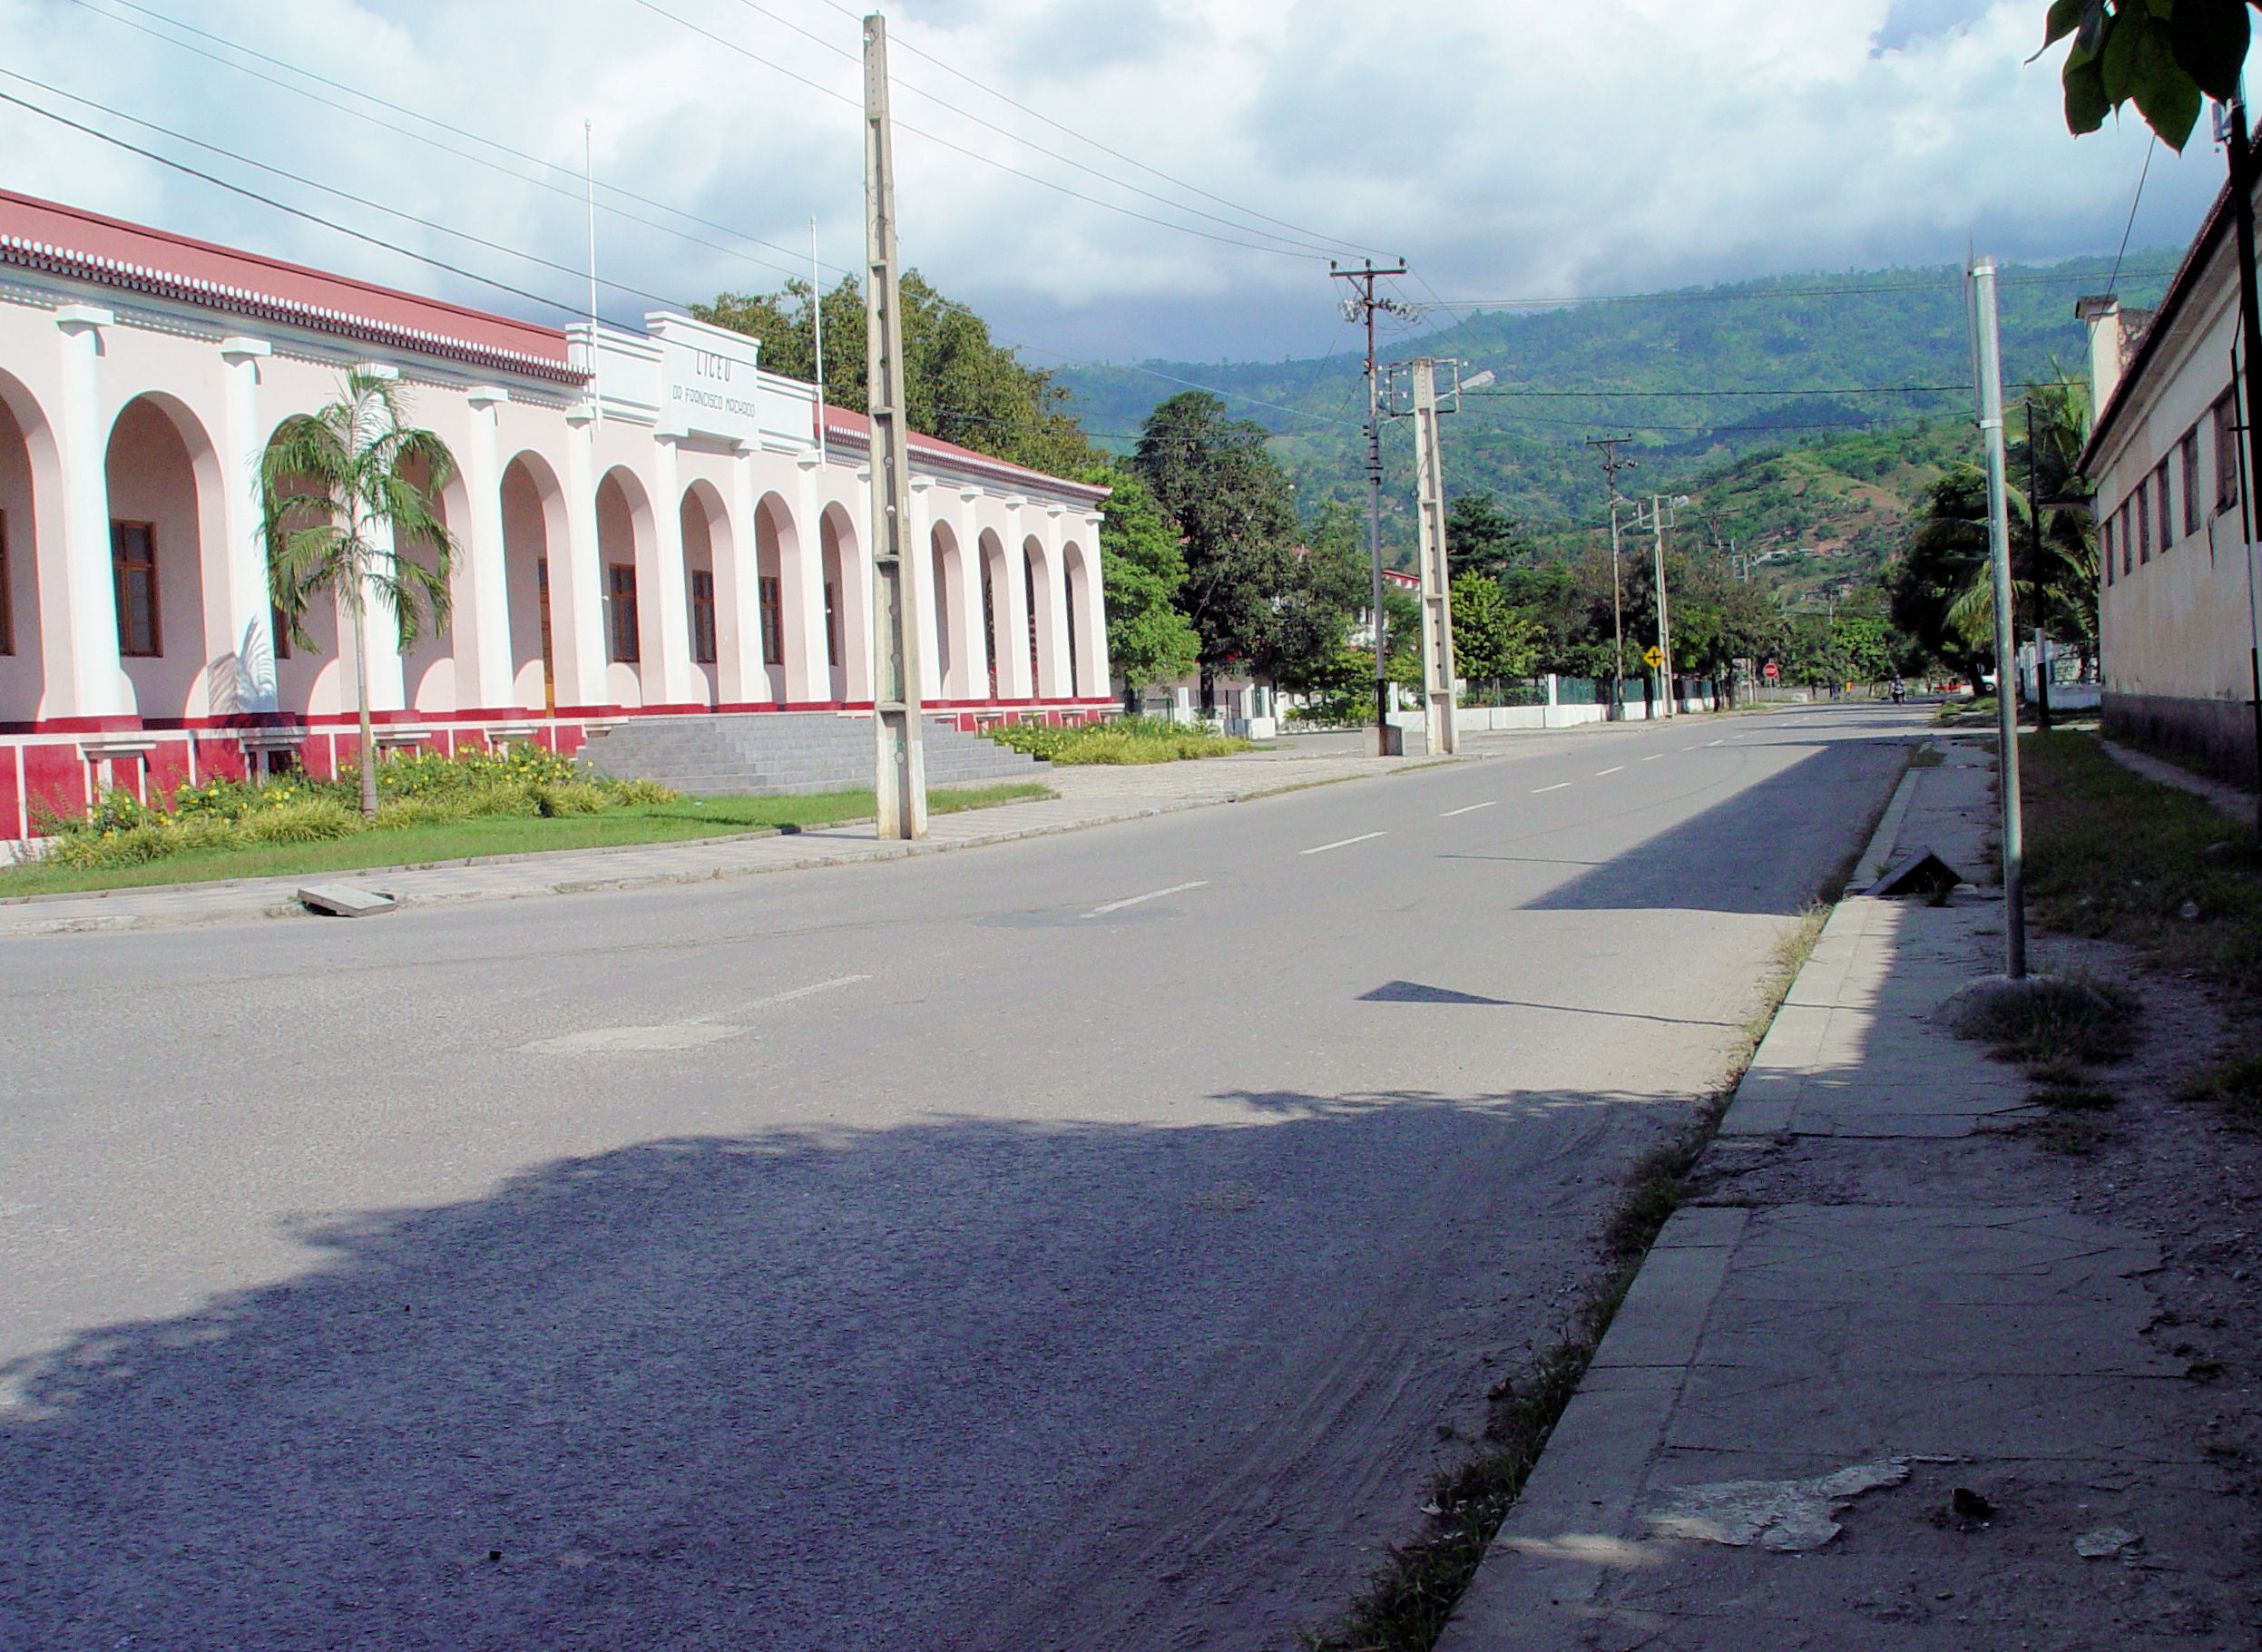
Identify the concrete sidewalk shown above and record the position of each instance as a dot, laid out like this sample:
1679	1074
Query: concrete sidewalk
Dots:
1089	796
1865	1309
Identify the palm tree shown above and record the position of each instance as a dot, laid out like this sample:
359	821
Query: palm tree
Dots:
328	482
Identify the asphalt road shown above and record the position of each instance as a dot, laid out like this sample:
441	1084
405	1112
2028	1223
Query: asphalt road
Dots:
1077	1244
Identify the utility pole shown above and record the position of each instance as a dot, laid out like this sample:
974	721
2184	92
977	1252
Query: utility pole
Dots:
900	768
1612	466
1660	515
1982	279
2034	568
1361	305
1436	577
2242	173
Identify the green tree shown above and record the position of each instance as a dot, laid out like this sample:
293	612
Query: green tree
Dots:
1490	640
1141	570
2164	56
964	386
1937	590
346	495
1299	642
1482	537
2058	568
1864	640
1231	506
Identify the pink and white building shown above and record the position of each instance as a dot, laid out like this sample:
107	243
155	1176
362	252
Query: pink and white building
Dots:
649	522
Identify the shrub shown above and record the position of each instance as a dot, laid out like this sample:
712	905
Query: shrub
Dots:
641	791
312	820
566	797
1130	739
401	813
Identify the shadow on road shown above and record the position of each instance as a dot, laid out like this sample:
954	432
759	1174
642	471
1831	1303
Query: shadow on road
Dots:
959	1384
1767	850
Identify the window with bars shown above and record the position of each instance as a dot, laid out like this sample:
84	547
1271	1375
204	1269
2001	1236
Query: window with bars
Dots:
832	623
2106	538
621	629
2127	547
2188	450
2225	451
773	604
134	568
2144	521
702	617
2163	507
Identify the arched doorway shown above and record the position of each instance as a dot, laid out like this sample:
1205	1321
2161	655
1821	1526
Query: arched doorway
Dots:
850	579
625	549
1045	645
993	626
534	539
164	484
1075	592
706	526
428	675
774	544
23	670
949	594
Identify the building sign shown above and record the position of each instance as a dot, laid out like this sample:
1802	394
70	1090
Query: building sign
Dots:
708	382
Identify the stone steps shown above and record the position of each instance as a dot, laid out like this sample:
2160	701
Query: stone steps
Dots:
775	753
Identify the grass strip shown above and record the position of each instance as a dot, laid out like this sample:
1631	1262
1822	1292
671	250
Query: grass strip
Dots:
2113	856
459	842
1407	1604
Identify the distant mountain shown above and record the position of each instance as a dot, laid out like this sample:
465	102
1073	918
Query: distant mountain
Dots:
1699	378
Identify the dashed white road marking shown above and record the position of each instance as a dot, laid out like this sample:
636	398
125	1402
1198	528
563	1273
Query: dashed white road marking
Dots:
816	987
1556	788
674	1035
1471	809
1151	895
1601	772
1653	756
1341	843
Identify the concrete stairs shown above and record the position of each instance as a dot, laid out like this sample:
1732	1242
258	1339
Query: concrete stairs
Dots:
770	753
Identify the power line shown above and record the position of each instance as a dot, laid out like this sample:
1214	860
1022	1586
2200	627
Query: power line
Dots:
2135	200
1743	295
1323	244
972	154
280	206
574	193
1083	138
359	201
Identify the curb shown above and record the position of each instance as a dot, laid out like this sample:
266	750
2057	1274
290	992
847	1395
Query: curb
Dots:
1589	1474
273	898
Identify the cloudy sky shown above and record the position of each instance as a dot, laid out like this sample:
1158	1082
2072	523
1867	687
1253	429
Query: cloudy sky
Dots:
1104	178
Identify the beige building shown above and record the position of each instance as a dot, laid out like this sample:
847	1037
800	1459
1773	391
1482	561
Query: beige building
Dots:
2177	606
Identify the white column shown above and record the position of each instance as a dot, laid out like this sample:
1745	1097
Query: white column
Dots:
664	614
577	609
1052	678
242	613
927	600
1012	637
740	677
482	594
802	592
78	613
1091	617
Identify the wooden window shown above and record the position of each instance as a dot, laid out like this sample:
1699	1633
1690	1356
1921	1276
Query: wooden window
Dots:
133	567
702	617
621	633
8	597
2128	545
832	623
773	622
2163	507
2144	521
2105	536
2225	451
2188	450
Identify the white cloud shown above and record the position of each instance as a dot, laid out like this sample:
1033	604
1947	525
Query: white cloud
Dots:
1508	149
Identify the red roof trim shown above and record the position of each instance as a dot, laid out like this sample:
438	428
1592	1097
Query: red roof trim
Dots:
857	428
84	246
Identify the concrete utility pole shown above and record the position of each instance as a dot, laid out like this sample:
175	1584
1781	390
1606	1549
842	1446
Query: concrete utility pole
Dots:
900	770
1361	305
1436	577
1612	466
1990	352
1660	515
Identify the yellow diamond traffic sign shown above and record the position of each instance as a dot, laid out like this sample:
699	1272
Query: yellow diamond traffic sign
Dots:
1654	655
